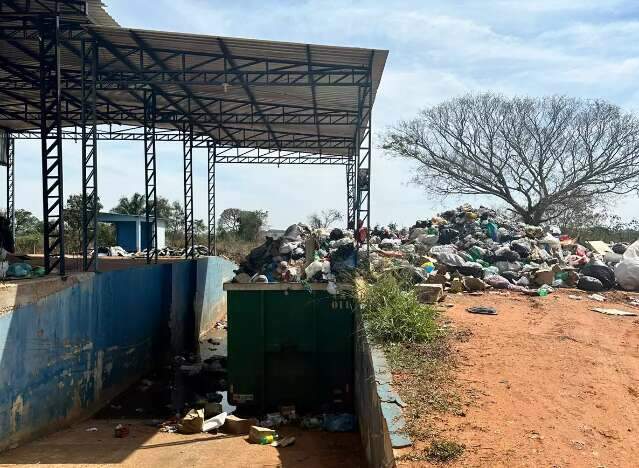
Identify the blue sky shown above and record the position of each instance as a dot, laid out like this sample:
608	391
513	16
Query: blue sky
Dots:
438	49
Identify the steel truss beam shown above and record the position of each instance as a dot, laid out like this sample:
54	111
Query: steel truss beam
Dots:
189	237
244	138
39	7
350	194
150	192
212	233
51	140
11	188
89	158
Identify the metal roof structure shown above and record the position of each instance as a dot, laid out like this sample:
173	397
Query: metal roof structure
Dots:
69	71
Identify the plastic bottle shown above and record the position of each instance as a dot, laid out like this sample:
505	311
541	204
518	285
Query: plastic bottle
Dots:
267	440
542	292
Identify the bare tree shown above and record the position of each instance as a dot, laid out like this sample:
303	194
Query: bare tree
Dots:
325	219
533	154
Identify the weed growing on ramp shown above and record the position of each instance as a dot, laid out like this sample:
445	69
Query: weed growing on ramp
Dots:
393	314
444	451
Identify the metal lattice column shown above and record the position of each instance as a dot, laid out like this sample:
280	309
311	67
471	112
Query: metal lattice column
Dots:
363	164
89	157
51	139
212	237
189	238
350	194
11	188
150	193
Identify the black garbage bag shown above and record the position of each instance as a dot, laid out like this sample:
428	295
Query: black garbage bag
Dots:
511	276
468	269
602	272
619	248
505	254
337	234
260	256
448	236
588	283
522	249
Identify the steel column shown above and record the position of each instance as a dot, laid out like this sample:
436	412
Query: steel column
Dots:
89	157
189	238
212	237
51	140
350	194
363	149
150	193
11	192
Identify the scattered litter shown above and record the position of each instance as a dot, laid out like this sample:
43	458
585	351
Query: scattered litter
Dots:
597	297
238	426
482	310
574	297
618	312
260	435
344	422
91	429
192	422
285	442
121	431
214	423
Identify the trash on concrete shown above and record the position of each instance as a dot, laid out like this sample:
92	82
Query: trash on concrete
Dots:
344	422
120	431
91	429
618	312
238	426
285	442
259	435
482	310
192	422
213	423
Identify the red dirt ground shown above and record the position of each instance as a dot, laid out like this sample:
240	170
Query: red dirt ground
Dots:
550	383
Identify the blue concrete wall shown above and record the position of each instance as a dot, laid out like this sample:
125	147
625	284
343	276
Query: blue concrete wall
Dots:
210	299
65	355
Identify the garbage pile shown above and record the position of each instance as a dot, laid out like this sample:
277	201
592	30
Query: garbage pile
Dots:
469	249
301	254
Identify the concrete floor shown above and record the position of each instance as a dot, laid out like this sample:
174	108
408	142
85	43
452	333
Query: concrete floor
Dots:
146	447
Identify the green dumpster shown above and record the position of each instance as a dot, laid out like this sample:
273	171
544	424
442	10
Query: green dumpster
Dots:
289	346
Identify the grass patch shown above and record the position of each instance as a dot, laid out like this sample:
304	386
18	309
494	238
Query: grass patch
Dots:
443	451
393	314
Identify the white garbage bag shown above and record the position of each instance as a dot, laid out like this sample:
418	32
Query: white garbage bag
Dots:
627	271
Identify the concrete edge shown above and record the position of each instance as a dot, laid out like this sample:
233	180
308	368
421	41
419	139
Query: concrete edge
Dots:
391	403
379	408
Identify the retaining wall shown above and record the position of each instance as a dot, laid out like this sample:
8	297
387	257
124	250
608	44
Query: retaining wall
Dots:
379	408
67	346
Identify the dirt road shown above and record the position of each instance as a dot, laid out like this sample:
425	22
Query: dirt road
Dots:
550	383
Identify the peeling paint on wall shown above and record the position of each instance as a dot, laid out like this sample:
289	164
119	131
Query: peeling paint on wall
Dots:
65	353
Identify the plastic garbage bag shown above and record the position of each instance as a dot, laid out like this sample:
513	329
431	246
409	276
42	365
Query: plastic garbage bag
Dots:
344	422
313	269
19	270
601	271
588	283
497	282
627	271
450	259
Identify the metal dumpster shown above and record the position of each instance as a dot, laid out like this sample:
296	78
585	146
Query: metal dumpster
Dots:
289	346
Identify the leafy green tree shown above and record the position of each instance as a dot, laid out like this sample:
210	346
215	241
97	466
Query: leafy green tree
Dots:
27	223
136	205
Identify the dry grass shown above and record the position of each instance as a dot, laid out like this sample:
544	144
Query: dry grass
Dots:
424	377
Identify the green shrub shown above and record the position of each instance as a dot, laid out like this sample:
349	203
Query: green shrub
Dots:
392	312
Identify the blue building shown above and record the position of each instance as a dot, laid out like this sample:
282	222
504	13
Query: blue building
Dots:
131	230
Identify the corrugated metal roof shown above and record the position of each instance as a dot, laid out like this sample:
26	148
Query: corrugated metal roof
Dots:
241	95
